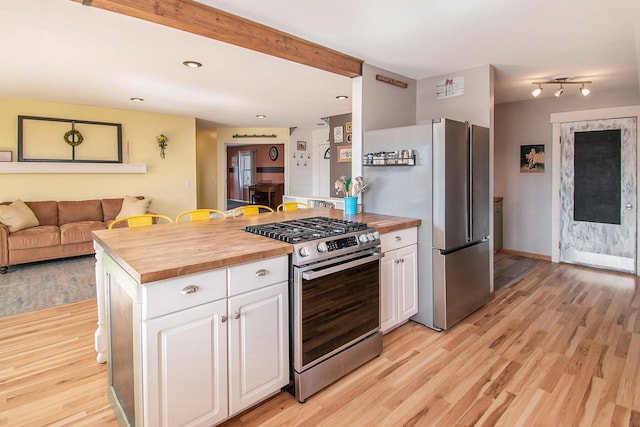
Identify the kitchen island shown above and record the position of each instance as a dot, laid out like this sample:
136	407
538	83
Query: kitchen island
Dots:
167	295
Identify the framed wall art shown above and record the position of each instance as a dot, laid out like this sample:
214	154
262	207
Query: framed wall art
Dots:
46	139
338	135
344	155
301	146
532	158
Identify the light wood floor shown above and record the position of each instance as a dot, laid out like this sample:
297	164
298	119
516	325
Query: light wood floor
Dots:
509	268
560	347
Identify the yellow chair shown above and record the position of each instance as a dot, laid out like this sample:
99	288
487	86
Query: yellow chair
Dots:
140	220
292	206
202	214
250	210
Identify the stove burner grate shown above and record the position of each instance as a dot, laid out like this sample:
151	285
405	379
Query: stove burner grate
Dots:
301	230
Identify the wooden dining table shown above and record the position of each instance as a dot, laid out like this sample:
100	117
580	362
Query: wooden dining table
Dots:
268	192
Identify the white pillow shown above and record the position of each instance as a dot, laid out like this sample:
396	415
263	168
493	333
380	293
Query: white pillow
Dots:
17	216
133	206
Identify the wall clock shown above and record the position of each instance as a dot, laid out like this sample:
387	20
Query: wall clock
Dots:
273	153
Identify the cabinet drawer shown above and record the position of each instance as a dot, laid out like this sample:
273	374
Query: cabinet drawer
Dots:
399	239
168	296
258	274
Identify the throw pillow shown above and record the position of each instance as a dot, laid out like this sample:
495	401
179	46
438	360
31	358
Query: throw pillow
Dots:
133	206
17	216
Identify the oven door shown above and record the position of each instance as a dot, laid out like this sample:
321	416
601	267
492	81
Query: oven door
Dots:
336	303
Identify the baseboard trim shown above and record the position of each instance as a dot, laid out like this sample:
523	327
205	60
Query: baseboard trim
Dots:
526	254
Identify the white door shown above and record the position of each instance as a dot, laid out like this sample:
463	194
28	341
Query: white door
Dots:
258	345
388	291
598	193
324	172
185	369
408	282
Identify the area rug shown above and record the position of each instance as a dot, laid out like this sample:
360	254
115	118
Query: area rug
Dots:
34	286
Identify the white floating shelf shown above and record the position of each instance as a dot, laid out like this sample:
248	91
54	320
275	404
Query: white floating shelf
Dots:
54	167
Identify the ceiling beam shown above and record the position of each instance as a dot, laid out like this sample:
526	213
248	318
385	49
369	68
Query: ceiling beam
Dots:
198	18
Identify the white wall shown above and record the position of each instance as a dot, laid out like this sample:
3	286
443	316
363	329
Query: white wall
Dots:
527	197
300	173
474	106
385	105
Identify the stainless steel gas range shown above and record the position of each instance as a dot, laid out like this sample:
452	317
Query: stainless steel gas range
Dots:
334	297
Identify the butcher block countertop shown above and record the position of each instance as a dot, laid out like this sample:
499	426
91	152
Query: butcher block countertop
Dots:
165	251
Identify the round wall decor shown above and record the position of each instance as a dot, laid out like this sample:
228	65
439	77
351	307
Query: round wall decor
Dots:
273	153
73	137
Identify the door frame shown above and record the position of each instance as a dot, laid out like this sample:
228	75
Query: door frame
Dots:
223	166
577	116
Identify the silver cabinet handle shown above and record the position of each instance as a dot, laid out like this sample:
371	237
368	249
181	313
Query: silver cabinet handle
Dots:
628	206
397	238
262	272
191	289
236	315
223	318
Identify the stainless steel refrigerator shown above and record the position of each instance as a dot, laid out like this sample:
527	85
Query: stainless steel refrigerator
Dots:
448	189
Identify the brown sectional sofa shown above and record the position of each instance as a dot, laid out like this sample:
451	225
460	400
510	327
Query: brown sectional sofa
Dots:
64	231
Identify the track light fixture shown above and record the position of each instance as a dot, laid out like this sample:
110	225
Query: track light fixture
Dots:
584	91
537	91
562	81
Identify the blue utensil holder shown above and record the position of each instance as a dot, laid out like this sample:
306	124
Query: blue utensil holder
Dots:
350	205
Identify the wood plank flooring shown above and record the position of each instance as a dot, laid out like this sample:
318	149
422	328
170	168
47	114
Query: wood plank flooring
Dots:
561	347
509	268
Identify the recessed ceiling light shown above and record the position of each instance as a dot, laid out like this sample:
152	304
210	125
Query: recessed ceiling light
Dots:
342	97
137	99
261	116
192	64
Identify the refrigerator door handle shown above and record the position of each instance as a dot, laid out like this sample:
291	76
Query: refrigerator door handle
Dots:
469	184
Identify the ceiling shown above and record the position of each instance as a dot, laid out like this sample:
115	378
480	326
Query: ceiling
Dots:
59	50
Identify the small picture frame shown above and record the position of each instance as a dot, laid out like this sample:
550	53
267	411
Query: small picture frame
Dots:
5	156
301	146
348	127
344	155
338	134
532	158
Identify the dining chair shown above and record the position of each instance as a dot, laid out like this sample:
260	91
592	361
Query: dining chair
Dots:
250	210
292	206
202	214
140	220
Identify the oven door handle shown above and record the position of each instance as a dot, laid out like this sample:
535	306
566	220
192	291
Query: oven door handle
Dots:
313	274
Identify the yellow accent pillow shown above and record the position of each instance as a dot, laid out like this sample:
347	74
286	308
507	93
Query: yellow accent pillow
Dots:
17	216
133	206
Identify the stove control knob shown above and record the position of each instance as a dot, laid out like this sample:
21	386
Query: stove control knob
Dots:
363	238
322	247
371	237
304	251
376	235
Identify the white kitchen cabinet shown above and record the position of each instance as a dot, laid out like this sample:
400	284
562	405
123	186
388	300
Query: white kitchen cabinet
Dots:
197	349
185	367
258	345
258	331
398	278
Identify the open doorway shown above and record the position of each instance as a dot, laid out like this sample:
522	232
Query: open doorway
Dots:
251	165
